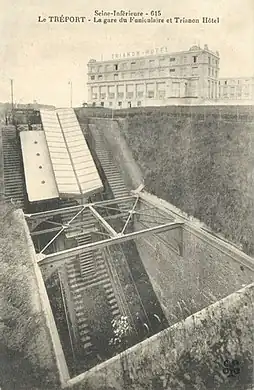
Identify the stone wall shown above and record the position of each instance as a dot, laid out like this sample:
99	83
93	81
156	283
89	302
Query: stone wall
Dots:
189	355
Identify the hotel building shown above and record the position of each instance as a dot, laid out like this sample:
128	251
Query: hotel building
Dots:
240	88
155	79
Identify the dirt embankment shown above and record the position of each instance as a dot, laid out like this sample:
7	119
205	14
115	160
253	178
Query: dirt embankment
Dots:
202	166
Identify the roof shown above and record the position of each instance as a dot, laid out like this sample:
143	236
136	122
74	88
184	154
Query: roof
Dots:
57	161
39	176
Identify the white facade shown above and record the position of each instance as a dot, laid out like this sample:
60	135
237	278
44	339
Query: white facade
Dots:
235	89
160	79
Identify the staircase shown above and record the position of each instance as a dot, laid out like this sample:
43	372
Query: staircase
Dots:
14	186
106	159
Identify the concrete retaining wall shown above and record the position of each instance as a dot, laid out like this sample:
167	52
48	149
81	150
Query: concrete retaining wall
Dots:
207	270
33	333
189	355
40	298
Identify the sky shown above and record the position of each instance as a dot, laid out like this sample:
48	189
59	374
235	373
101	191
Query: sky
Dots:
42	58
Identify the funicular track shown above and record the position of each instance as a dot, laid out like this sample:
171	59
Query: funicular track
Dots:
85	272
91	269
14	184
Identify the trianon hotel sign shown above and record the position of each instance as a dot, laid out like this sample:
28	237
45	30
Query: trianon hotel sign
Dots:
161	50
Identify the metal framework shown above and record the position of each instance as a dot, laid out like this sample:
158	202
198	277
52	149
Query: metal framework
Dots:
150	219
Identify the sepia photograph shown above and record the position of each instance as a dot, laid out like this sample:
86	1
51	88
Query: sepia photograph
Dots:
127	195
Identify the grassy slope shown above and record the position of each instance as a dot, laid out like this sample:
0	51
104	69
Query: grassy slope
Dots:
203	167
24	344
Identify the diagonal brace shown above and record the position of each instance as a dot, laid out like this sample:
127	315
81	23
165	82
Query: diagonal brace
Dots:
104	223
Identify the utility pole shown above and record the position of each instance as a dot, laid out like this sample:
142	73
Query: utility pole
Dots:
12	104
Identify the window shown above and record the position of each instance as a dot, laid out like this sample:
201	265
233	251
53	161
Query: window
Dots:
140	94
116	67
139	103
102	104
129	95
172	59
110	104
162	72
133	74
129	104
103	95
94	96
150	94
185	60
225	82
172	70
162	61
239	91
161	94
100	77
111	95
151	63
195	59
119	104
209	71
92	77
120	95
176	89
116	76
133	64
185	71
209	60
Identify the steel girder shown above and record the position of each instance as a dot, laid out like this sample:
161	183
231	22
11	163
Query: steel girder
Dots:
162	222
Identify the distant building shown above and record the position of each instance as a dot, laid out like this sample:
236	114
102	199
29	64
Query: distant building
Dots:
155	79
236	88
